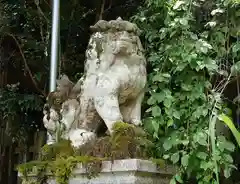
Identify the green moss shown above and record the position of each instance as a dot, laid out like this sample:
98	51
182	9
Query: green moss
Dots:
126	141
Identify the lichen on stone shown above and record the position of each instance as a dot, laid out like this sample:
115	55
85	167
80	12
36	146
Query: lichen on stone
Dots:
127	141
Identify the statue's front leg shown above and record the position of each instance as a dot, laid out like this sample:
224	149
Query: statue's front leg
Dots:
106	101
50	121
77	119
131	111
107	107
135	116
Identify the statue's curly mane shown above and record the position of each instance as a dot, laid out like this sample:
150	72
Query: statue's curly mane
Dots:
102	46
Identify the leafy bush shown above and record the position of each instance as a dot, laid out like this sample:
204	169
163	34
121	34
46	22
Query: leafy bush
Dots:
193	53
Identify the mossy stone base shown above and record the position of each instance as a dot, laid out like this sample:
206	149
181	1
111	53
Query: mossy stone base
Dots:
127	171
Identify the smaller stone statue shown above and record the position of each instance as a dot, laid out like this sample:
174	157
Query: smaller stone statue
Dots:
111	89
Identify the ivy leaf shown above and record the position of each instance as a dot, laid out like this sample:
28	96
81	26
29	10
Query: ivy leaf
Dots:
218	10
184	160
167	145
180	67
183	21
226	145
175	157
202	46
235	68
161	77
178	178
173	181
227	172
236	47
151	101
170	122
229	146
167	102
176	114
186	87
201	138
202	155
155	125
166	75
38	76
211	65
154	58
206	179
148	110
211	24
156	111
228	158
206	165
178	4
159	96
163	33
185	142
202	142
158	78
166	157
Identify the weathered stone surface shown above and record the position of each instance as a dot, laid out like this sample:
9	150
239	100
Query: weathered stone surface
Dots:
129	171
111	90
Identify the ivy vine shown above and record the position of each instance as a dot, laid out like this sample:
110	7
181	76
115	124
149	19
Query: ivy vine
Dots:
193	51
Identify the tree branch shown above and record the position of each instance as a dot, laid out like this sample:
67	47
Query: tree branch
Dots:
101	10
26	65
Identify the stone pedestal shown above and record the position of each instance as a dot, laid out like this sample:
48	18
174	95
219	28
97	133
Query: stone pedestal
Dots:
128	171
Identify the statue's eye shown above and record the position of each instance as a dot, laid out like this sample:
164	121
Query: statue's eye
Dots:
90	46
48	117
57	101
82	133
46	107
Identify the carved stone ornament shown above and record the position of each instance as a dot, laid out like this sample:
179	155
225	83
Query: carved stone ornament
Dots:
111	89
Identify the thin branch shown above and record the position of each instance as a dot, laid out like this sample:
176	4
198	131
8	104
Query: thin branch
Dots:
26	65
99	13
101	10
109	7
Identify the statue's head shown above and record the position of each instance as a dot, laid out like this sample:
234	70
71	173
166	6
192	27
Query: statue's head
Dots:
116	37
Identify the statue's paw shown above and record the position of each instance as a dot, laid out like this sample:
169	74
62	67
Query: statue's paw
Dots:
81	137
54	115
137	122
49	124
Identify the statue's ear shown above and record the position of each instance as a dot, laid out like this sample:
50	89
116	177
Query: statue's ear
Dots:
50	98
119	19
63	77
64	81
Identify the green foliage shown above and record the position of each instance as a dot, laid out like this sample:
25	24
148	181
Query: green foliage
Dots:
16	109
127	141
189	45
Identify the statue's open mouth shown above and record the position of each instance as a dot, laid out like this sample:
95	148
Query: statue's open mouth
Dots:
125	39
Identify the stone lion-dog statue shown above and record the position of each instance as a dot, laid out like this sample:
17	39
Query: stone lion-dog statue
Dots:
111	89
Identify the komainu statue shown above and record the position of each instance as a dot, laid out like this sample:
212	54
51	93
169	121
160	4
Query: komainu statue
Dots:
111	89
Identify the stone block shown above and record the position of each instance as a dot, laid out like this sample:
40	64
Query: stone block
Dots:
127	171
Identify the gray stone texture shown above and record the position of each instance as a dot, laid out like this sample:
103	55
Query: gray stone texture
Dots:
128	171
